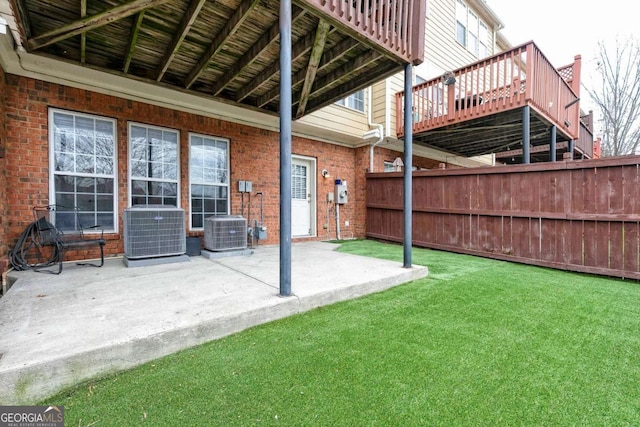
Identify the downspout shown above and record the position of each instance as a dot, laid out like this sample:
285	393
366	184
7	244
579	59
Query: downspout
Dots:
371	124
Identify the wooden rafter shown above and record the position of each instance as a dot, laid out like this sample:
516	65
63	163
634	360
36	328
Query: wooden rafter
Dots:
328	97
232	25
255	51
185	25
83	25
299	49
83	36
312	67
133	40
328	58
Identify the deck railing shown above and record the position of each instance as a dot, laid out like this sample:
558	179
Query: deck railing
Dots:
505	81
396	25
585	141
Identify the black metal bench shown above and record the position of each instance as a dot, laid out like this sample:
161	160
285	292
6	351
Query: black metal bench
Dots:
47	235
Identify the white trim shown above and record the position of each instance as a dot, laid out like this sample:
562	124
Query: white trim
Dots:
52	172
178	179
313	205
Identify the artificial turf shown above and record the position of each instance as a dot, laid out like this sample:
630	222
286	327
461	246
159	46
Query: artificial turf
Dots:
477	343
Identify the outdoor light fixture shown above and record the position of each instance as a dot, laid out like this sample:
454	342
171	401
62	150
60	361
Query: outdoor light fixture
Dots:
325	173
448	78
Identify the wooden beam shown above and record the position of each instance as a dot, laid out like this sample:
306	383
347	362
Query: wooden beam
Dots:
83	36
98	20
300	48
185	25
329	97
232	25
332	55
349	68
254	51
533	150
312	67
133	40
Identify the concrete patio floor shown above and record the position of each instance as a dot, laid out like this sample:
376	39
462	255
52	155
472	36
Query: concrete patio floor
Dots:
59	330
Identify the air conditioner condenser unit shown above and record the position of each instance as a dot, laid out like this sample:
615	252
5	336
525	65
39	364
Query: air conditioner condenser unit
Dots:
225	233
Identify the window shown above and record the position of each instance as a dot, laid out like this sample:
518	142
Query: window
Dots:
209	178
461	23
354	101
82	153
472	44
471	31
154	170
483	37
389	167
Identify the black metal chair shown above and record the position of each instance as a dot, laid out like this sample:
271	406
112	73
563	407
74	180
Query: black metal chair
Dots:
51	242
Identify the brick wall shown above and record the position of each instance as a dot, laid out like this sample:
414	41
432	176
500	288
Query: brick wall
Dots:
253	154
4	243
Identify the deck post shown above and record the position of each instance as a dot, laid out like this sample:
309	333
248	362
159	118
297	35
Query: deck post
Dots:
526	134
552	144
285	147
572	145
407	187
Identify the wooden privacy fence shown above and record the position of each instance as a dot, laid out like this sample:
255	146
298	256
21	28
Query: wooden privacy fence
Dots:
581	216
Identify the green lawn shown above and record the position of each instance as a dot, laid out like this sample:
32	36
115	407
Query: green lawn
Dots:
477	343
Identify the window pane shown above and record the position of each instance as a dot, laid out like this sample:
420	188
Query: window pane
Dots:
65	221
104	203
473	23
105	221
197	220
84	164
461	34
84	144
104	165
65	199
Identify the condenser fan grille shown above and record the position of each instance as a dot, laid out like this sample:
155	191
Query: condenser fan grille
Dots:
223	233
154	232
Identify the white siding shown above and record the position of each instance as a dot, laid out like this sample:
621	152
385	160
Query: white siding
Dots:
341	119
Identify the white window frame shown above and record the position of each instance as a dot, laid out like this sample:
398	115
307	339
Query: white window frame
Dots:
352	101
93	216
461	21
475	29
389	167
132	177
200	180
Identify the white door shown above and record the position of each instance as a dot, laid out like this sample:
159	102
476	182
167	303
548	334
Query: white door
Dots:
301	197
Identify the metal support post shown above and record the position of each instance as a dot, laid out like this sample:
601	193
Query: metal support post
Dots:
407	237
285	147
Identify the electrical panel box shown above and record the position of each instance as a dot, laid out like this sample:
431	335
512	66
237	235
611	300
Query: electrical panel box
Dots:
245	186
329	197
341	192
260	232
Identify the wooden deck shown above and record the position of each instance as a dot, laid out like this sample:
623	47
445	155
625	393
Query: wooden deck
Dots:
478	109
229	49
